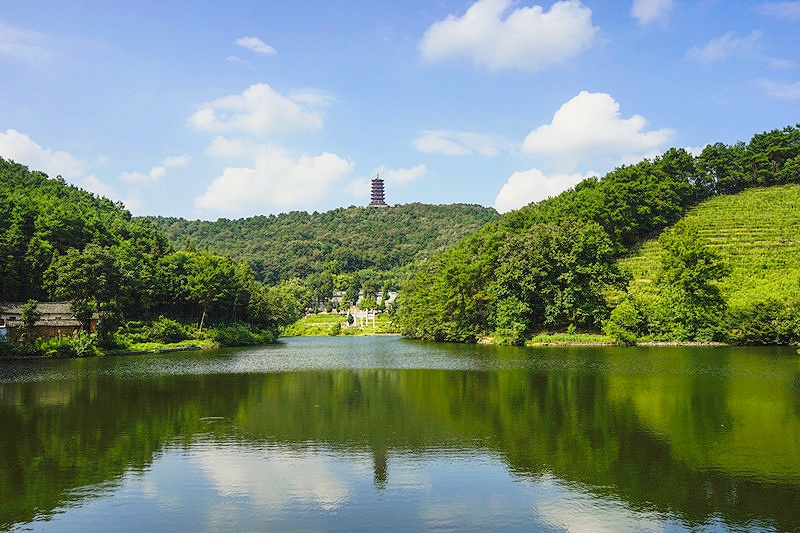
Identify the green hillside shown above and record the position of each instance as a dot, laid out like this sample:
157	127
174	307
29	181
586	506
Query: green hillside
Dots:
756	232
728	272
340	241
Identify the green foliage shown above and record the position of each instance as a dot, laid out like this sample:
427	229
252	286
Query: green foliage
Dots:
569	338
511	325
754	232
692	306
79	344
241	335
167	331
552	276
30	314
368	302
314	247
512	283
765	322
60	242
627	322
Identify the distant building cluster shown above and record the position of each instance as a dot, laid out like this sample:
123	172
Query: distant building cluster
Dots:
377	197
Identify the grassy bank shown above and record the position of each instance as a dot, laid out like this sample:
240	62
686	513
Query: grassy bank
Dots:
135	337
332	324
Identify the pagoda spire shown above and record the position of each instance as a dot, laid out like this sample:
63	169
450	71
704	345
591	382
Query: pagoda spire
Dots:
377	200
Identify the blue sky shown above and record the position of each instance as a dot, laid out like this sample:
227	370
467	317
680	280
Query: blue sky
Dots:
209	109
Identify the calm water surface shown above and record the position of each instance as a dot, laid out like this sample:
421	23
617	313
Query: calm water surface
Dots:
381	433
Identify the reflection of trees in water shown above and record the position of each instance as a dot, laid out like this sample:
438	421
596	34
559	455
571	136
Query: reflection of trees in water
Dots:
562	422
380	466
794	394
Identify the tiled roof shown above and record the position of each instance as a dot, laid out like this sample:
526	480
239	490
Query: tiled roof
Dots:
46	308
67	322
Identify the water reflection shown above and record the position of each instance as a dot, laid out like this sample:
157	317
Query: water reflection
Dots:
343	433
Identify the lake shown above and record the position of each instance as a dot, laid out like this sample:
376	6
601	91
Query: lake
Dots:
384	433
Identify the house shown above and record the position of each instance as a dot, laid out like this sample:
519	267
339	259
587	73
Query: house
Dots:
57	319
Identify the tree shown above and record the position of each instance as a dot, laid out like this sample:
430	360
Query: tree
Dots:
557	275
30	314
691	301
211	282
368	302
90	278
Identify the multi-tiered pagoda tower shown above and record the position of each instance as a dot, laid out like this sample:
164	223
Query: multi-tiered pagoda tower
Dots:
377	193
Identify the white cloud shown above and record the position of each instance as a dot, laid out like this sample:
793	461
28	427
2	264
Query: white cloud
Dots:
26	46
156	172
254	44
781	10
277	180
260	110
93	184
20	148
359	188
401	175
589	128
278	479
727	46
456	143
647	11
782	90
173	161
224	147
237	60
532	185
526	38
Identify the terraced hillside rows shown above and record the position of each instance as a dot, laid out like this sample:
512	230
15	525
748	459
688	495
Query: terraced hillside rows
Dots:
756	231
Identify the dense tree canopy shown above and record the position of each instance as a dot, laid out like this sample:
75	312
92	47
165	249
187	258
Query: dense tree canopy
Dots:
548	264
60	242
314	247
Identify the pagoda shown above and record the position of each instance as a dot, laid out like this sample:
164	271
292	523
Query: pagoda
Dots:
377	193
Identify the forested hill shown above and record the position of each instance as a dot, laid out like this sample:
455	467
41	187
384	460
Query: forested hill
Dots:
59	242
43	219
552	265
341	241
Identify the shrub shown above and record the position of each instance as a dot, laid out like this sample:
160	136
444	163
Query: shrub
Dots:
627	322
764	322
241	335
167	331
79	344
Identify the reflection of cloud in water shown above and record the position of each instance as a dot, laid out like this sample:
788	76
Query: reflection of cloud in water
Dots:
275	478
474	493
567	508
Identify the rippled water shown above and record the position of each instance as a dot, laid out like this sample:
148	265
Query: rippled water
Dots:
381	433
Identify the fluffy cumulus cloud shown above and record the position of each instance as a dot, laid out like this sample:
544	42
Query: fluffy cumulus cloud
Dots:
533	185
525	38
21	148
456	143
254	44
589	128
156	172
276	180
260	110
648	11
